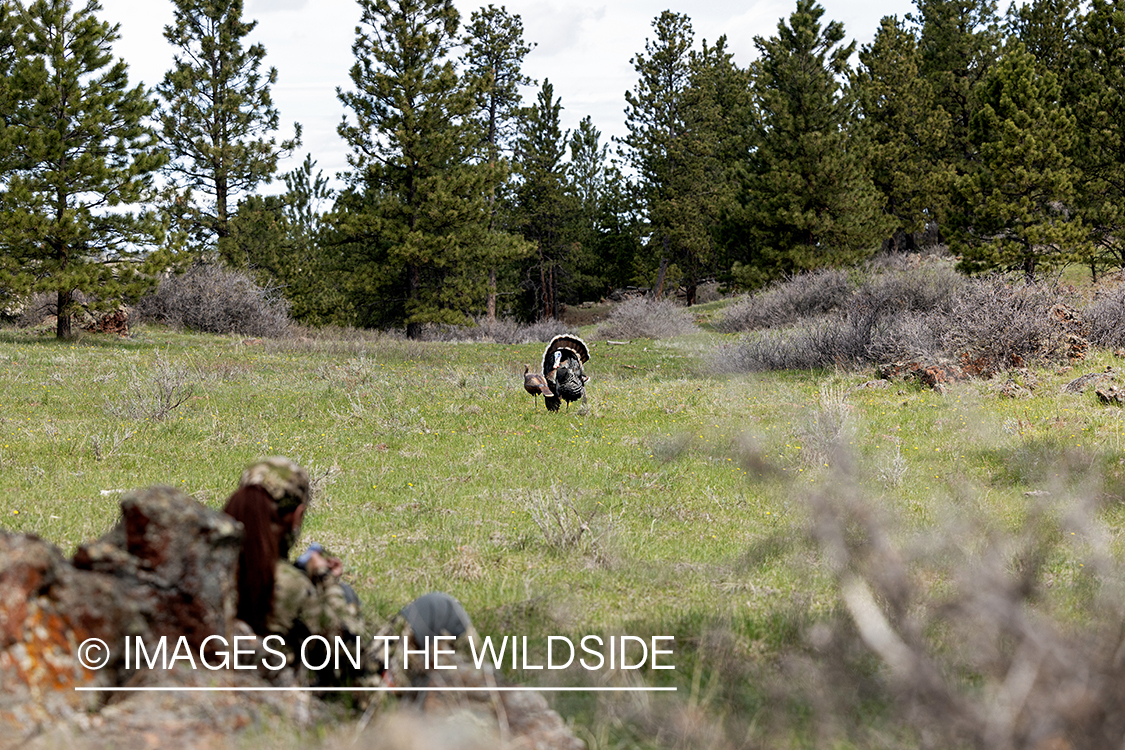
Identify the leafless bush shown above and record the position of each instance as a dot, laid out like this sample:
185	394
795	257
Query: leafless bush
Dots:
829	425
987	325
644	318
997	324
498	331
217	300
829	342
931	288
107	444
154	396
564	526
986	640
807	295
906	336
1106	317
35	308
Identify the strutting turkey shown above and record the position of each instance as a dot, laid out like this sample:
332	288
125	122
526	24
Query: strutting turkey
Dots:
535	384
562	367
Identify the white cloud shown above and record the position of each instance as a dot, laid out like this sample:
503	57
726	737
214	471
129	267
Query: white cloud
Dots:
273	6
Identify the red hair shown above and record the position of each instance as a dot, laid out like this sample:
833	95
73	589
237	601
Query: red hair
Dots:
257	511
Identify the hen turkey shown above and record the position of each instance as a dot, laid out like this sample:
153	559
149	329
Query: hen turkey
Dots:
562	367
535	384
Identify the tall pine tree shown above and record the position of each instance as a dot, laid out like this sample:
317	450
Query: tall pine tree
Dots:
807	199
959	41
673	120
1049	31
1099	95
217	120
607	228
546	212
79	151
416	213
495	49
11	51
1015	201
904	128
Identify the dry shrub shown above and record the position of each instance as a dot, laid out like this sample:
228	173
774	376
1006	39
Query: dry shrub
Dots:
212	299
36	308
644	318
997	324
498	331
154	396
1106	318
985	639
987	325
807	295
824	343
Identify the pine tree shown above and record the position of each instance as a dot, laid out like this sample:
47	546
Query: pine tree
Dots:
586	170
673	138
217	119
79	151
546	212
494	55
904	128
1099	96
11	51
416	212
721	109
282	239
606	232
1049	31
493	58
806	200
959	41
1015	202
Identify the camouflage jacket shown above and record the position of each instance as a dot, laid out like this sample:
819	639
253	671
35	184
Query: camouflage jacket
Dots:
303	607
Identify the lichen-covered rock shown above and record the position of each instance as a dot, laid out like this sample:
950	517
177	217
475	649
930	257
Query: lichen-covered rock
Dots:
1111	394
47	609
168	568
112	321
935	375
176	558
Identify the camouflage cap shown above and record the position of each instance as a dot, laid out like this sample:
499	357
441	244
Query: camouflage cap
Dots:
284	480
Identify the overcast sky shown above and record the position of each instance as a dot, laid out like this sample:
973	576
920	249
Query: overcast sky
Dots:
584	48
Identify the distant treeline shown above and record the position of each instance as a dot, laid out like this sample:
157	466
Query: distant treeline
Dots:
1002	137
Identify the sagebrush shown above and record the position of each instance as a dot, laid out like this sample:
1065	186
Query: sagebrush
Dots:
211	299
644	318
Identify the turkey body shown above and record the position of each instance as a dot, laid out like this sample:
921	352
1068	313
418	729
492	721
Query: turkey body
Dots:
562	367
535	384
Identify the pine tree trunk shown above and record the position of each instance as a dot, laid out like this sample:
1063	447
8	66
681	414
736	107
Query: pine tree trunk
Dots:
413	328
553	277
544	309
658	291
62	325
492	294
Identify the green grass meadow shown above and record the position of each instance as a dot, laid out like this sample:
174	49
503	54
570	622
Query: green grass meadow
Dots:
673	504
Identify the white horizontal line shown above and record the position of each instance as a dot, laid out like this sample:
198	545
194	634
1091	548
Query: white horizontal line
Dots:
168	689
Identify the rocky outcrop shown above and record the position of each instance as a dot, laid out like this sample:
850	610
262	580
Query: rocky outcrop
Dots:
113	321
935	375
175	559
168	569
